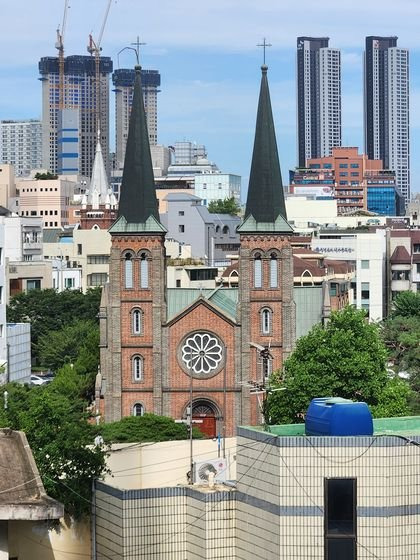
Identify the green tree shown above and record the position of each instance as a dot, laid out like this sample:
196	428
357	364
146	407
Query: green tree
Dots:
49	311
148	427
226	206
345	358
77	342
45	176
61	439
406	304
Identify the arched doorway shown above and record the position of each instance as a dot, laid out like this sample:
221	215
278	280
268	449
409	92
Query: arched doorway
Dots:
205	416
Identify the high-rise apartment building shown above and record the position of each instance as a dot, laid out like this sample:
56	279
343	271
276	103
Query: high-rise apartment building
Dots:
21	145
123	80
318	98
386	101
70	136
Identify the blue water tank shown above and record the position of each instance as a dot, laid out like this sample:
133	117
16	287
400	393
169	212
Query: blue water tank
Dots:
333	416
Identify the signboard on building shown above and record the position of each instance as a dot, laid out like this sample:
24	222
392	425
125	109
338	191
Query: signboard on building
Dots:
314	190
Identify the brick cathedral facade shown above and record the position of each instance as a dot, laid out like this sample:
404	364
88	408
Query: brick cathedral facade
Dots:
156	343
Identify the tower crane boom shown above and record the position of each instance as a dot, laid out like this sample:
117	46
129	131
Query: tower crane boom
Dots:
59	45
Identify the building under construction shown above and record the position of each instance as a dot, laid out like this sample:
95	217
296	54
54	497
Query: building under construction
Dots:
70	127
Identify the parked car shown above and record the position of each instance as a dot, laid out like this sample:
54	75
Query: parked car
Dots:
38	380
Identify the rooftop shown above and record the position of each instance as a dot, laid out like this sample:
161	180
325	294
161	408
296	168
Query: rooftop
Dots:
402	426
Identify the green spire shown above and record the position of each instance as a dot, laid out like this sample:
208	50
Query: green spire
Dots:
138	205
265	206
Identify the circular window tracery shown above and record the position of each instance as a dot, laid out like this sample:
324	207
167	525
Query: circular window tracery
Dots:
202	354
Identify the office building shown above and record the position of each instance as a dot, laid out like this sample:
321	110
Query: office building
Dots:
386	104
123	80
21	145
318	98
69	135
187	153
356	182
217	186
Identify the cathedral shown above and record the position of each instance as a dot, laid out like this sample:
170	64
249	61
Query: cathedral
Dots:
162	348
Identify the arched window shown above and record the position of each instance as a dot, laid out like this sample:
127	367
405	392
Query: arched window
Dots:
257	271
137	321
138	409
128	271
266	321
225	229
273	271
144	271
137	368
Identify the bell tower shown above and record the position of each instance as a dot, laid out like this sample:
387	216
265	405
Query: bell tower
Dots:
133	305
266	306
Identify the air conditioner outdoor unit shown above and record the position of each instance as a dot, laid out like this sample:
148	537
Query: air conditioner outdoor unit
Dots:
202	470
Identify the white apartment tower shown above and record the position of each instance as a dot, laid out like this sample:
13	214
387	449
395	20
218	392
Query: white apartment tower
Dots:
70	136
21	145
318	98
123	80
386	105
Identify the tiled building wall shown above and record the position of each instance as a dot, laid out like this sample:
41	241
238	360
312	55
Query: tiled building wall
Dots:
178	523
288	488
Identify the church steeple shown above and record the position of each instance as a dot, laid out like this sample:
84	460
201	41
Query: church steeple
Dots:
98	190
265	206
138	205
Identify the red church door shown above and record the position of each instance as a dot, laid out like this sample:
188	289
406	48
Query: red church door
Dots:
204	418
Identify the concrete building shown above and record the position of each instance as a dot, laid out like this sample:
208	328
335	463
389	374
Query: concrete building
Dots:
80	112
404	255
7	186
123	80
49	199
386	102
21	145
3	301
358	182
26	276
19	352
212	237
217	186
290	496
187	153
318	98
155	340
368	251
23	237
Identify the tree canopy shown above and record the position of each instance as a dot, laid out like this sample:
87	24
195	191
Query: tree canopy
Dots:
406	304
49	311
345	358
61	438
226	206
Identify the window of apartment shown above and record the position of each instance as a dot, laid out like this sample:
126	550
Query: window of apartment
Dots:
354	165
181	212
354	173
364	264
365	290
97	279
343	173
79	248
343	165
333	289
97	259
416	247
178	283
340	521
401	275
327	166
181	228
69	283
202	274
33	284
417	265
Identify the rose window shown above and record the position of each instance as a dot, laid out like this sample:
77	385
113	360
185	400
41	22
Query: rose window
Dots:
202	353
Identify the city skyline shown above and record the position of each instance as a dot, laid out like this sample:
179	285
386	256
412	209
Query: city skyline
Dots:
209	78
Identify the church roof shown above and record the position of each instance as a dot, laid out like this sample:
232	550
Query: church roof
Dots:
99	181
265	206
178	299
138	205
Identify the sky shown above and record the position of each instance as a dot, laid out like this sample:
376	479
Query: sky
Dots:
207	55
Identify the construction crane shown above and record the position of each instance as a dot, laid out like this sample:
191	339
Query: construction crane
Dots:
59	45
94	48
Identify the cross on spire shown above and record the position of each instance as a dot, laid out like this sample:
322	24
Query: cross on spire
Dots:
264	46
137	46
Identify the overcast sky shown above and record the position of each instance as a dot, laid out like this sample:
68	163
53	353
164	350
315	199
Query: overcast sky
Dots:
209	63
